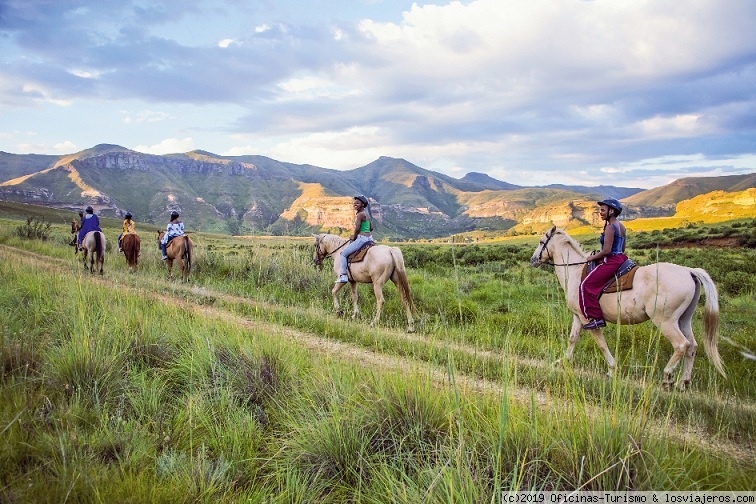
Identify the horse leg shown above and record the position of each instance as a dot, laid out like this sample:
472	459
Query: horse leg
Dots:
598	337
686	327
336	288
680	345
378	291
577	326
355	307
169	261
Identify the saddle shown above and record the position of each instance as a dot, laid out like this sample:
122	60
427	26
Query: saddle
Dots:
359	254
622	280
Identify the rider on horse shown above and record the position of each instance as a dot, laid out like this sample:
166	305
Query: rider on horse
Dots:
90	222
612	252
128	228
175	228
361	235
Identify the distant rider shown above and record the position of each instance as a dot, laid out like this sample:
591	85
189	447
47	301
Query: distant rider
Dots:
89	223
175	228
128	228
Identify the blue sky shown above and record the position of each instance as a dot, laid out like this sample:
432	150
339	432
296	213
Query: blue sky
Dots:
634	93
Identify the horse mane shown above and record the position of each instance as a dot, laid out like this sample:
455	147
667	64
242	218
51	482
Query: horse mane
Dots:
570	242
332	239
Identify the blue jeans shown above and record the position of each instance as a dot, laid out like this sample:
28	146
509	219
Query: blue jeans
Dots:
352	247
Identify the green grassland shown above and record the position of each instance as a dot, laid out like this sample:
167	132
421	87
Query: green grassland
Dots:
243	386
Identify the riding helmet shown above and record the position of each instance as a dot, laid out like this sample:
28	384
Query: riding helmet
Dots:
89	209
612	203
363	199
128	215
174	215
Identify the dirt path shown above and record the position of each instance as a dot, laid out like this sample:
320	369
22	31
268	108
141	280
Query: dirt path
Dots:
687	434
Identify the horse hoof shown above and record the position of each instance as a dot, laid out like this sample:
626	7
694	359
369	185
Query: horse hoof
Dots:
340	313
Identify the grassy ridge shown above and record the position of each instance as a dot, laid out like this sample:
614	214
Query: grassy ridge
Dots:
242	386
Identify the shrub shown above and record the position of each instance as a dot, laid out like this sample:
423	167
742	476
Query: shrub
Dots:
34	229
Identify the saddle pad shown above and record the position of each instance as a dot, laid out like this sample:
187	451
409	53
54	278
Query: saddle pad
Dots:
359	254
625	275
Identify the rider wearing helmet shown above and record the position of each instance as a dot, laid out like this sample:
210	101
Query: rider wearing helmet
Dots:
90	222
362	234
128	228
611	256
175	228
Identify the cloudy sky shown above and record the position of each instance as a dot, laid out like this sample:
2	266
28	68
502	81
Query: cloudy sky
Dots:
633	93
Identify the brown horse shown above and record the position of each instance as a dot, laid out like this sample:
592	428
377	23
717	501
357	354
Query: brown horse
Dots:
93	246
131	243
179	249
75	228
665	293
381	263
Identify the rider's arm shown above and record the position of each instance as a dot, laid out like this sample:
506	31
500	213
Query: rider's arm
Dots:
607	247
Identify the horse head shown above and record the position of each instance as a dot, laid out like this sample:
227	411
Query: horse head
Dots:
318	253
75	226
538	255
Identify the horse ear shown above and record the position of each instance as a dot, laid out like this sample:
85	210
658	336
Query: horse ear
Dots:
553	229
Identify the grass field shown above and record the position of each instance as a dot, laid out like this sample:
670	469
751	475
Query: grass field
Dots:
242	385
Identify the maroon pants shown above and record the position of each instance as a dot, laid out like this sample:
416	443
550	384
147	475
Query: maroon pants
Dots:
594	283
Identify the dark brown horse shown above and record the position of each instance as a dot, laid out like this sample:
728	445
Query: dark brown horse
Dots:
131	243
178	249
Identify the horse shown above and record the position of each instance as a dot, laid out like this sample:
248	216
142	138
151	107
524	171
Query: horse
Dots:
380	264
178	249
131	243
75	228
664	293
93	245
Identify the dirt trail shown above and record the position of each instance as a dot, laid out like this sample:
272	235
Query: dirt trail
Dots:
687	434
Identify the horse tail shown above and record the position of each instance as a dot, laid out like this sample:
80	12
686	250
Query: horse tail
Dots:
98	245
711	317
402	283
187	255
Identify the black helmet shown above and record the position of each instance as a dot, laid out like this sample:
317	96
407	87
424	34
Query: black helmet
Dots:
363	199
128	215
612	203
174	215
89	209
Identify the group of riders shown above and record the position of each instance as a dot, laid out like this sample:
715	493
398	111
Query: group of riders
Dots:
90	222
610	257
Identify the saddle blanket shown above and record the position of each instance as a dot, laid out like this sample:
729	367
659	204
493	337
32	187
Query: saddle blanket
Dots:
622	280
359	254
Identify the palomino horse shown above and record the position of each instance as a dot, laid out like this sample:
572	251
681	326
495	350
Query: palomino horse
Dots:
93	245
179	249
665	293
380	264
130	244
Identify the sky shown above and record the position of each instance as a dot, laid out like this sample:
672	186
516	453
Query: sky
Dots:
632	93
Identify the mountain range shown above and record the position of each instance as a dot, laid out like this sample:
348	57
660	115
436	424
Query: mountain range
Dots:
257	194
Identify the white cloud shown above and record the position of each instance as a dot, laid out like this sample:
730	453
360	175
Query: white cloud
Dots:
168	146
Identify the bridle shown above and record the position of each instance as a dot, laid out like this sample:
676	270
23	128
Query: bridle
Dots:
322	255
543	246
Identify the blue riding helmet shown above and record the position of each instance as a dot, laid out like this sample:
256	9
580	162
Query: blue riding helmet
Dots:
89	209
174	215
613	204
363	199
128	215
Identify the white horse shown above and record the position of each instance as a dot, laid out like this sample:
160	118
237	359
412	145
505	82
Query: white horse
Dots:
380	264
93	245
665	293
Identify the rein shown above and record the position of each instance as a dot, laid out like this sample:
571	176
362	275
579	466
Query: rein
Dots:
327	254
543	247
